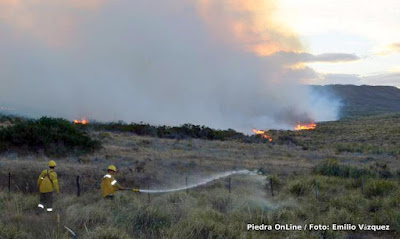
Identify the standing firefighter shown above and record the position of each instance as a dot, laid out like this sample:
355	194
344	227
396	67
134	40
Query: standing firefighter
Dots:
47	183
108	184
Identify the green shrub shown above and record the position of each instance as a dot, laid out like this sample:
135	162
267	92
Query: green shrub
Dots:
54	136
331	167
175	132
300	188
375	188
276	182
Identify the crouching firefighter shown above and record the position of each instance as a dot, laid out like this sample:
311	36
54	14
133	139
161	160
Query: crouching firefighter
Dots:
108	183
47	183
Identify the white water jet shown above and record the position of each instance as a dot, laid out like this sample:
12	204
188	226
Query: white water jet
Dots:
210	179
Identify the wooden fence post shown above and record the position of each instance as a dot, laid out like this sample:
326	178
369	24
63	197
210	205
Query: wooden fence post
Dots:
230	184
78	186
9	182
187	189
362	185
148	194
272	186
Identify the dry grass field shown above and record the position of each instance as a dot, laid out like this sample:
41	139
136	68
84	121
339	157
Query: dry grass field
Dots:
353	164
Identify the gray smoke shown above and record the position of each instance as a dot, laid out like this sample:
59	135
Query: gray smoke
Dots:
134	61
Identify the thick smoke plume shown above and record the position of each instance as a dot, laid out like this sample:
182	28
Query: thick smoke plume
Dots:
217	63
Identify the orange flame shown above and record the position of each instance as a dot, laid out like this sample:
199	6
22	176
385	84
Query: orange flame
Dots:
82	121
301	126
262	134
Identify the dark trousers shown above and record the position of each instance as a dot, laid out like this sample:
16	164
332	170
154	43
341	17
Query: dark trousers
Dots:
46	200
109	197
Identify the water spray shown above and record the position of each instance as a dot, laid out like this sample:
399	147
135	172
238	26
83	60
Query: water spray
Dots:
211	179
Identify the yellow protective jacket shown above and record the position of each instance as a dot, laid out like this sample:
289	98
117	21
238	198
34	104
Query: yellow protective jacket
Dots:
109	185
47	181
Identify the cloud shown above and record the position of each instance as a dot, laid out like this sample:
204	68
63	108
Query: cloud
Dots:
392	48
304	57
332	57
175	63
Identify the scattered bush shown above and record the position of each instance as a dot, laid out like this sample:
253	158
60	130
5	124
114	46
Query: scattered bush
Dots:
331	167
277	183
300	188
54	136
175	132
379	187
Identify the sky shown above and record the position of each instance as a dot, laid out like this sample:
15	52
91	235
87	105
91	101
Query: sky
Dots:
366	29
237	64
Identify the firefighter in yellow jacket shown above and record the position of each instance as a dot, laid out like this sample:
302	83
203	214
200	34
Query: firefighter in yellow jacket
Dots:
47	183
108	183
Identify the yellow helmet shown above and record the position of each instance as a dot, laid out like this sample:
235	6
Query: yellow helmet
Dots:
112	167
52	163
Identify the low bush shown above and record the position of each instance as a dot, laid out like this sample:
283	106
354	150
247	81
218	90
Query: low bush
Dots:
331	167
381	187
55	137
300	188
276	182
172	132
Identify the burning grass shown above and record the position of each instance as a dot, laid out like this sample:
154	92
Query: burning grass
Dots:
82	121
301	126
262	134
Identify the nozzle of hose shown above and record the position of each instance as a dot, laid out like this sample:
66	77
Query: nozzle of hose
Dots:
136	190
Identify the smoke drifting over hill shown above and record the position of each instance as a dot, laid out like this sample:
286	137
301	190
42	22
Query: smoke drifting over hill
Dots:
204	62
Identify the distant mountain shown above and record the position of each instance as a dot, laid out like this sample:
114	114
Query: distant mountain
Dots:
364	100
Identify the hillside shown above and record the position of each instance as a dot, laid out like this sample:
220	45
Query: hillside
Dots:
364	99
345	171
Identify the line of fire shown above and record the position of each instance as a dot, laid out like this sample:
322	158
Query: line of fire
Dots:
299	126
